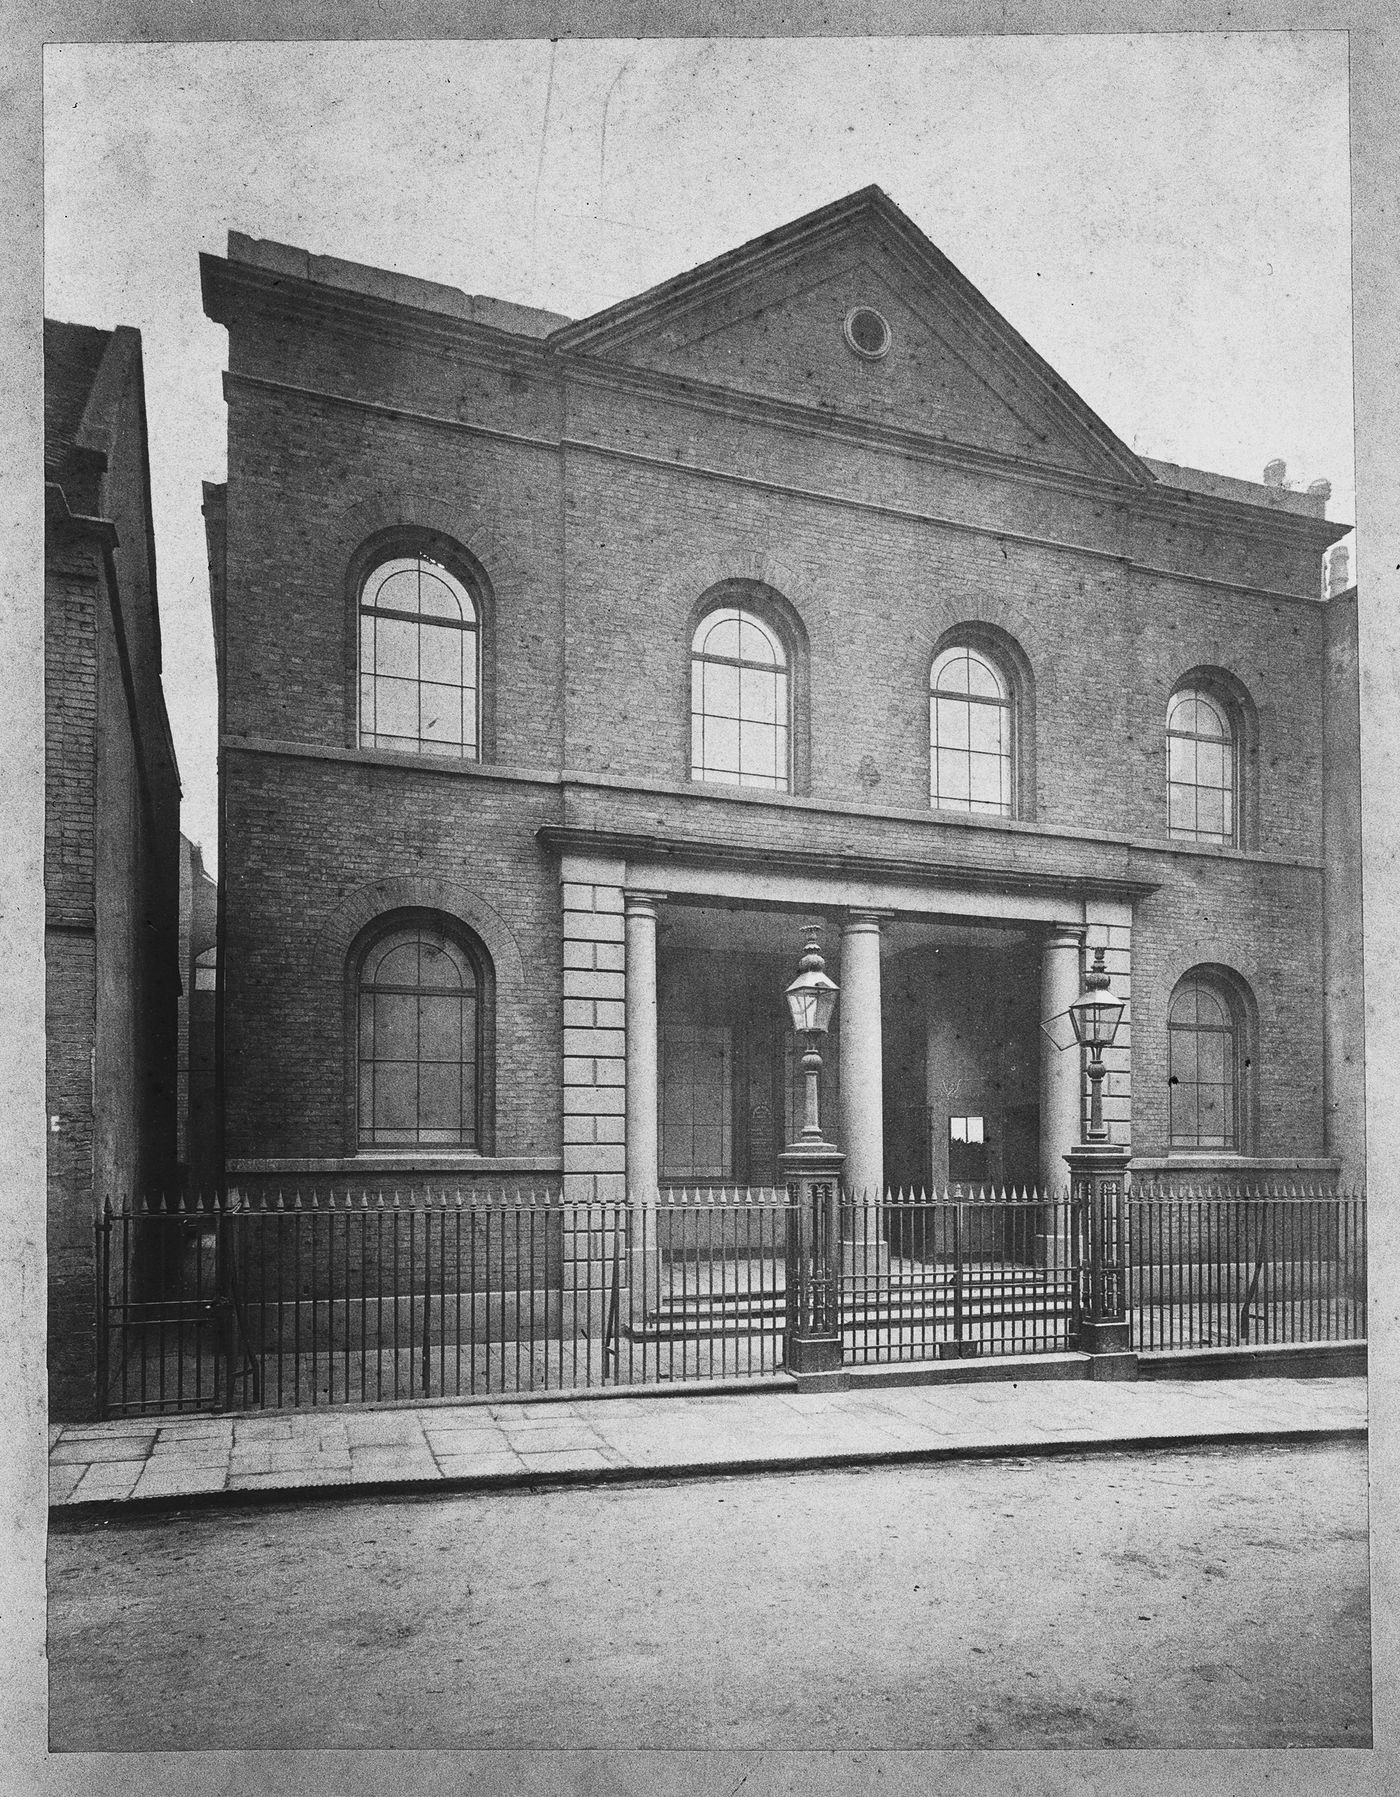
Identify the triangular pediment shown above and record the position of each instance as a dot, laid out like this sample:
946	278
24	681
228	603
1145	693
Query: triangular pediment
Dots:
770	320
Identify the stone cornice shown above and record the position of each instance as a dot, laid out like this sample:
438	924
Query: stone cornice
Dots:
968	527
1172	504
937	452
717	851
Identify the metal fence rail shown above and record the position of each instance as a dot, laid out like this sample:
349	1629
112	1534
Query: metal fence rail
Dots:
1229	1264
369	1299
939	1276
360	1298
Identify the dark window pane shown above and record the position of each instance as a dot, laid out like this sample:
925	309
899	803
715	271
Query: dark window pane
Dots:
440	1025
440	1099
1183	1107
395	1026
1183	1054
395	1097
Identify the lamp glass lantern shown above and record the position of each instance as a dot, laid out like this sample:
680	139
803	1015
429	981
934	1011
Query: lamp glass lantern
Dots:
812	995
811	999
1096	1013
1094	1017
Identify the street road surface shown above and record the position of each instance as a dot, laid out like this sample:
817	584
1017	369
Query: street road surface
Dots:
1211	1598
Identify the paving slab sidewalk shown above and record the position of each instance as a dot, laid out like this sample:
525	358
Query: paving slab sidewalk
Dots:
157	1461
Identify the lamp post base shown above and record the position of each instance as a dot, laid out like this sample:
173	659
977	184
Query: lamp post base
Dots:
811	1355
812	1343
1098	1173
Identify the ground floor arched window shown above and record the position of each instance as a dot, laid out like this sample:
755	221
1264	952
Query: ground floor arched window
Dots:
419	1049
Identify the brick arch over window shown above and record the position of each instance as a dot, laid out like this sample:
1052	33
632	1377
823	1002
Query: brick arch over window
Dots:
1212	1069
353	922
469	557
1231	697
780	616
997	646
420	1027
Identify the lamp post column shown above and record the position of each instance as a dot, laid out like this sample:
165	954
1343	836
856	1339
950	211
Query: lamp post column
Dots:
1098	1197
643	1168
811	1170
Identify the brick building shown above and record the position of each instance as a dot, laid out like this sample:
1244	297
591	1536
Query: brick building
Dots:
568	668
111	829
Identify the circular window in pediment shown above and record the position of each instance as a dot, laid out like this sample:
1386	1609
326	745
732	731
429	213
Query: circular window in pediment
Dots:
867	332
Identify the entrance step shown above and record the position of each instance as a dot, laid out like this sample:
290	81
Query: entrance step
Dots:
989	1297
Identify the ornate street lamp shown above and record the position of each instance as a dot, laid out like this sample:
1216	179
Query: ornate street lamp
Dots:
1094	1017
1098	1171
811	1171
811	999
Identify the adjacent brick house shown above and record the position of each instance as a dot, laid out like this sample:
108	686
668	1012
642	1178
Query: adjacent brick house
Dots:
568	668
111	830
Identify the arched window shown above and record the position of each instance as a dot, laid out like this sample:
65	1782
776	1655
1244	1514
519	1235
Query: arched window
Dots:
1202	768
1206	1029
419	1041
740	717
972	728
419	660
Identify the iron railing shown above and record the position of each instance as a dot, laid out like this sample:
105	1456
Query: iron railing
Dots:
939	1276
1229	1264
360	1298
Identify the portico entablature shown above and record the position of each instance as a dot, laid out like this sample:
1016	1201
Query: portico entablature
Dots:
729	873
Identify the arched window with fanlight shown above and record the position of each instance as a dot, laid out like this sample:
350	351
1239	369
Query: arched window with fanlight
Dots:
1202	767
419	1039
420	657
1207	1050
740	701
972	733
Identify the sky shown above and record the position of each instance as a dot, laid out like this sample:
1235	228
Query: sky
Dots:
1165	219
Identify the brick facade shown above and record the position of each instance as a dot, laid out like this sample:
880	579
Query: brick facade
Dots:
594	481
111	828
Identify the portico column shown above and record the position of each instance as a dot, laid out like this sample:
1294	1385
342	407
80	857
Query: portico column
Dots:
1060	1081
862	1074
863	1090
643	1169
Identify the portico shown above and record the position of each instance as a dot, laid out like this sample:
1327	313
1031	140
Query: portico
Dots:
950	1037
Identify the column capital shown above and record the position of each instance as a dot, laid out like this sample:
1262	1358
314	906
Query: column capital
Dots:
640	904
1065	935
864	918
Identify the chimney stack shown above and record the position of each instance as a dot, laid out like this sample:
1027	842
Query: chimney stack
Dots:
1274	472
1320	489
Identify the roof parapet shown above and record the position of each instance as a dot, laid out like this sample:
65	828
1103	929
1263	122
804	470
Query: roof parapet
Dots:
385	284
